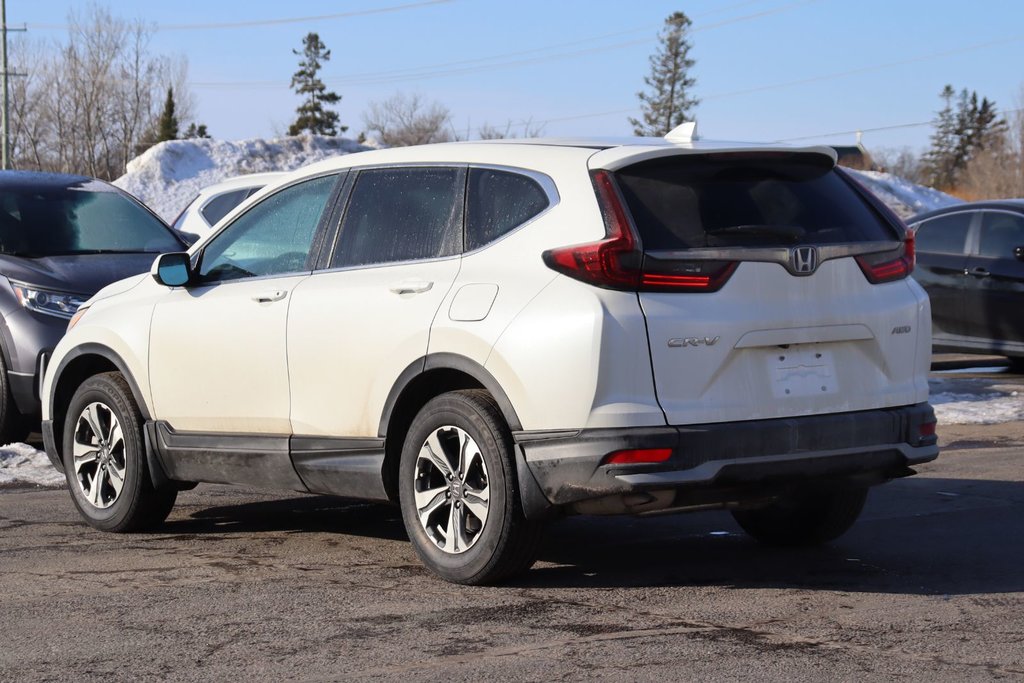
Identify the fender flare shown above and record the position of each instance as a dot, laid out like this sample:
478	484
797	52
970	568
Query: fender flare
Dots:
448	361
95	349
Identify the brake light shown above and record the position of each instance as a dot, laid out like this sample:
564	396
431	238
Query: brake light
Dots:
638	456
616	262
890	265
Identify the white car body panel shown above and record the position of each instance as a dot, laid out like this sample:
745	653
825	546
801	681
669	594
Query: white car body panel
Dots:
351	334
218	359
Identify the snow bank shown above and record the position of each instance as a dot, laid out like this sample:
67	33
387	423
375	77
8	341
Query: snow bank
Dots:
901	195
20	463
975	401
168	175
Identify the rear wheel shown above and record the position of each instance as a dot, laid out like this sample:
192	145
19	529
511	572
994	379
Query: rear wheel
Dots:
105	458
806	518
457	486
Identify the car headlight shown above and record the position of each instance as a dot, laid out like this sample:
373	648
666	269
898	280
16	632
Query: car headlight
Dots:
47	301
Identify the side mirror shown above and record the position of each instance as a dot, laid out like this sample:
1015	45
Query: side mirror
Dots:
172	270
1018	252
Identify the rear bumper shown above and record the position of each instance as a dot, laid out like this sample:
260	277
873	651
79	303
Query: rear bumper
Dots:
731	461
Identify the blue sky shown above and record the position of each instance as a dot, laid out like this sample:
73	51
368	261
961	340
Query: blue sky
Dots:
766	69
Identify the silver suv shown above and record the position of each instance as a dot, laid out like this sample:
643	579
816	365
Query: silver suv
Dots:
492	334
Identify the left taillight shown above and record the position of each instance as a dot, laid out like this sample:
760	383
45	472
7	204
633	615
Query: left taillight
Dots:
888	266
617	262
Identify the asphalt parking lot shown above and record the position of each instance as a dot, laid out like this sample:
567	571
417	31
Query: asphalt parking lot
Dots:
242	584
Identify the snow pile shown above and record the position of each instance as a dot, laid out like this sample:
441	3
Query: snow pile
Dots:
169	175
975	402
901	195
21	463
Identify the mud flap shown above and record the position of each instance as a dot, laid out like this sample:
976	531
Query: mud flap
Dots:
535	504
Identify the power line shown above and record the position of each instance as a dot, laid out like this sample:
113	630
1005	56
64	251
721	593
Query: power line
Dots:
274	22
877	129
473	65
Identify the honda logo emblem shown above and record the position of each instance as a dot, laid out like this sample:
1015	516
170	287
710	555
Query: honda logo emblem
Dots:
804	260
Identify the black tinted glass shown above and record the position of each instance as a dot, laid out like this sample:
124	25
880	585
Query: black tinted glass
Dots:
1001	233
273	237
746	200
498	203
401	215
944	235
219	206
81	219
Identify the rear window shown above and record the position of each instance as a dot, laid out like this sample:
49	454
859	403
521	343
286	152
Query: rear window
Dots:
727	200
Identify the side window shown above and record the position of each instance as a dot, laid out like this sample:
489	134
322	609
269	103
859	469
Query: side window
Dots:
1001	233
219	206
945	234
273	237
498	203
401	214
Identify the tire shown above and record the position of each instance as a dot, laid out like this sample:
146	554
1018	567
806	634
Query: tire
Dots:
14	426
104	425
804	519
462	512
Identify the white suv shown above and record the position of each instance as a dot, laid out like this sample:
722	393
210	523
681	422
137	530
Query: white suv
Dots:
490	334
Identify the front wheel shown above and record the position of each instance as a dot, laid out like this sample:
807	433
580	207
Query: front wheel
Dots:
806	518
457	487
105	458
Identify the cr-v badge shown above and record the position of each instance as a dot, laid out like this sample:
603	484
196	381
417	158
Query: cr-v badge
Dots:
804	260
692	341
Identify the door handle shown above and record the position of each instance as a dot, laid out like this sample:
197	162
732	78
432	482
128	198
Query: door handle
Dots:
267	297
411	287
977	272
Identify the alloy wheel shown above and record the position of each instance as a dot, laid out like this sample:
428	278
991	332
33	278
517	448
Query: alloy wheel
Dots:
99	455
451	489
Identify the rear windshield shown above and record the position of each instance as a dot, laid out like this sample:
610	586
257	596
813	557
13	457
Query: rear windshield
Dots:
746	201
86	218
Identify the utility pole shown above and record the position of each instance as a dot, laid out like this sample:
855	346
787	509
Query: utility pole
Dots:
5	146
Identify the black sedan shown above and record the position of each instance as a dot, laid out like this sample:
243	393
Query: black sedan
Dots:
62	239
970	260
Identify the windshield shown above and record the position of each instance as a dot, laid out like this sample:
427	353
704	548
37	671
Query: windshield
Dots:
82	219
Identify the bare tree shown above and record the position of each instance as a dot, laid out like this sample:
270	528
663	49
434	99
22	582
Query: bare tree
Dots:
88	103
403	120
529	130
902	162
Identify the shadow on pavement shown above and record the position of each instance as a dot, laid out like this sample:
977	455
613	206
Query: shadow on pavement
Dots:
923	536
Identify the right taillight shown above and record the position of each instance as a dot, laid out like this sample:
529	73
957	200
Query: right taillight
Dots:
616	262
889	265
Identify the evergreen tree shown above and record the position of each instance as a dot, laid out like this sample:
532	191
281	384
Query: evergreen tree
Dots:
667	102
312	116
167	126
960	135
196	131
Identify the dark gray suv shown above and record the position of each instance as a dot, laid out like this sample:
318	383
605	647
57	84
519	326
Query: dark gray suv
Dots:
62	239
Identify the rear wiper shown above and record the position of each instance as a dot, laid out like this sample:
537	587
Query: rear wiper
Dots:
793	233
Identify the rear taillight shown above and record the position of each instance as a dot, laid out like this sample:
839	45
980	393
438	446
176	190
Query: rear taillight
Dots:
616	262
890	265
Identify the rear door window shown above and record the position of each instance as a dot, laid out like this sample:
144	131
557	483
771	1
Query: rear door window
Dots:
498	203
944	234
221	205
401	214
1001	234
725	200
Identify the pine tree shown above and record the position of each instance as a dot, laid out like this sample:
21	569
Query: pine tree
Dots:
196	131
667	102
960	135
311	114
167	126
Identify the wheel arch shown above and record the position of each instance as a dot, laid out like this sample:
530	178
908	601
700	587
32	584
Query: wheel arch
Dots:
421	381
78	365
